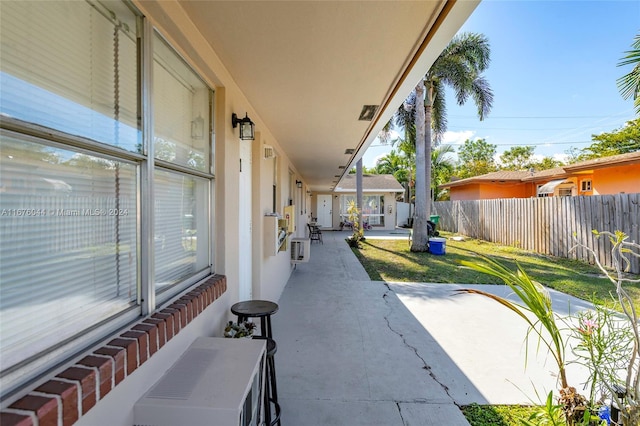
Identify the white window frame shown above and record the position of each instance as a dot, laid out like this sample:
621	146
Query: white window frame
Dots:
19	375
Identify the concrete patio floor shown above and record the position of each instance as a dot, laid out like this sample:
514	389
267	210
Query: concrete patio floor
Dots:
352	351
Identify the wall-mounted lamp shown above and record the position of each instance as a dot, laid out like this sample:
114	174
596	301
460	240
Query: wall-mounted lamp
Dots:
299	183
246	126
390	209
197	128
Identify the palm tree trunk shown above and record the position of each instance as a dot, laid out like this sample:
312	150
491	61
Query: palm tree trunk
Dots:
428	104
420	241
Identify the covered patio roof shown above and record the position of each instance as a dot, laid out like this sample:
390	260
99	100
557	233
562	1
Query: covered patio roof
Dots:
326	76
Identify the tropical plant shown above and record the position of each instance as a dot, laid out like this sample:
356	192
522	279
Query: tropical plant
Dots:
604	348
354	219
460	67
626	392
535	300
442	168
238	330
629	84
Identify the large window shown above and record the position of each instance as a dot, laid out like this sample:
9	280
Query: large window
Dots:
81	200
372	208
182	147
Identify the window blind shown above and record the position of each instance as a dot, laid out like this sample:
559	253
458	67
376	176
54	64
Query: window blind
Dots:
72	67
68	232
181	111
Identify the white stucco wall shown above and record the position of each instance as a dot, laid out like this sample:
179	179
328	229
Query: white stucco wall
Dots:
269	273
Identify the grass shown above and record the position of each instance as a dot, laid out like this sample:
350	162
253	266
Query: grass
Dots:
496	415
391	260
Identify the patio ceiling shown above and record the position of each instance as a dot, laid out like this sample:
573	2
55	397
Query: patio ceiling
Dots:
309	67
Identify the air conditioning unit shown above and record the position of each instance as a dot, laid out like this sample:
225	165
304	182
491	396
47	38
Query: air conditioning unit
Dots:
269	152
300	250
216	382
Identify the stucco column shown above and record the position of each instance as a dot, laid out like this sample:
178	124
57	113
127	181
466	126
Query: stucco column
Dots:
359	191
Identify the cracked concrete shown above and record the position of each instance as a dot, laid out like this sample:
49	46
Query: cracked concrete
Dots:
350	352
427	367
357	352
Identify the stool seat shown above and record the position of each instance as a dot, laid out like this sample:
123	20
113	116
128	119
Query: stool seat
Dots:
254	308
262	309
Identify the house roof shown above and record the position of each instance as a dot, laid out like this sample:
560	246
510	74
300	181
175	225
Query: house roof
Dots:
500	176
597	163
370	183
556	172
545	175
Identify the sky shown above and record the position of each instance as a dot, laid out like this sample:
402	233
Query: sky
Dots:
553	74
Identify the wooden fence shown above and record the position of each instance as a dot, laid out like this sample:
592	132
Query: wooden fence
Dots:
552	225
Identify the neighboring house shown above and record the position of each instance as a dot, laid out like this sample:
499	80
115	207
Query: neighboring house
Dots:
133	214
608	175
379	193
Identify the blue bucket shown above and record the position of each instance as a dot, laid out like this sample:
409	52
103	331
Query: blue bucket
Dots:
437	246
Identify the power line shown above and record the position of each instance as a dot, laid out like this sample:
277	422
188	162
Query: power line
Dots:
536	144
540	117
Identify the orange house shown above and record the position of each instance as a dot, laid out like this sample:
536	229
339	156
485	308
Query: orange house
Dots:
608	175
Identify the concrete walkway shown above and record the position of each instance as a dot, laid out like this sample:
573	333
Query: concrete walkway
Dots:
356	352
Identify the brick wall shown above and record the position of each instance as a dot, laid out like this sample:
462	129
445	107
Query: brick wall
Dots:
63	399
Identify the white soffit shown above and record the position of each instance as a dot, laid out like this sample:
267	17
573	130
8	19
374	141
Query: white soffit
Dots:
309	67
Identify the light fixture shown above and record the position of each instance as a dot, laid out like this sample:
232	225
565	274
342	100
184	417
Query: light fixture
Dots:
299	183
197	128
246	126
367	113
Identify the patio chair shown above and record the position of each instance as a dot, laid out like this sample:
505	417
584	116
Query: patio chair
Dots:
314	233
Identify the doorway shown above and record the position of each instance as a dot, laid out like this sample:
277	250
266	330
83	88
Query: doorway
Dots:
325	218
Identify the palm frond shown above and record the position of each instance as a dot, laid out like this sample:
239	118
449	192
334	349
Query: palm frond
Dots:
629	84
439	113
483	96
535	299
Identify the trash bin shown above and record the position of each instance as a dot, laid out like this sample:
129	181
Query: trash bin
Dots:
434	218
437	246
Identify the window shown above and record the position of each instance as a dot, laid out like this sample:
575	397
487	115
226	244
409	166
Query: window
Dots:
585	185
181	143
372	208
68	243
74	201
72	66
565	192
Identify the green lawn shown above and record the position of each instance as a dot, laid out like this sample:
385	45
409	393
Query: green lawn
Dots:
391	260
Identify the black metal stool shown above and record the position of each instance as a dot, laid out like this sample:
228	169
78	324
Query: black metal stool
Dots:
271	385
262	309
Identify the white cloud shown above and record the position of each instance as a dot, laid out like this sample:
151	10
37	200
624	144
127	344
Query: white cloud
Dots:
561	157
457	138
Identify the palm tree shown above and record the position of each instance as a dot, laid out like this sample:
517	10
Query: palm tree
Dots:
442	167
459	66
399	164
629	84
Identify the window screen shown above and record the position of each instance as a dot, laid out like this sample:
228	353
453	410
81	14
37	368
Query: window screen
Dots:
73	207
68	232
